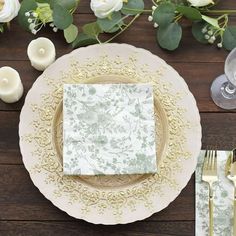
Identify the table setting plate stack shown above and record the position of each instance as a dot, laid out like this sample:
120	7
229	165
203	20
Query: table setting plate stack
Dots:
110	196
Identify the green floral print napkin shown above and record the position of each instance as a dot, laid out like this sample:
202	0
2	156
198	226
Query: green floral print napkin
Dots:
108	129
223	200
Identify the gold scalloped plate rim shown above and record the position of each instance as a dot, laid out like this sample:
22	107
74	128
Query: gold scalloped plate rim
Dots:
142	212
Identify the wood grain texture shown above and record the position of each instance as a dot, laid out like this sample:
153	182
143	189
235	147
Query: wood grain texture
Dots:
9	141
29	228
25	211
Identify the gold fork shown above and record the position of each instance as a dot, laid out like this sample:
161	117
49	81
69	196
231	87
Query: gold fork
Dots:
230	172
209	175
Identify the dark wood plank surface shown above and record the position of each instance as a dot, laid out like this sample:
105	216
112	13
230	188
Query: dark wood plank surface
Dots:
25	211
39	228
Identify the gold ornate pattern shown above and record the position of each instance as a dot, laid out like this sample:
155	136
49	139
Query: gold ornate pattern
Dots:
118	194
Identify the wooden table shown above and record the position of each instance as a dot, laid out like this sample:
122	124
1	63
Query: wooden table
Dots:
25	211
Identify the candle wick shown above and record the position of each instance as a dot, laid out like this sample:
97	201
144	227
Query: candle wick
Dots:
41	51
4	80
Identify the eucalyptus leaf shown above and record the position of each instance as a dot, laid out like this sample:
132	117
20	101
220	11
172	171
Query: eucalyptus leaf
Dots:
197	31
189	12
62	18
84	40
111	24
212	21
229	38
164	14
26	5
169	36
132	7
115	28
70	33
44	1
68	4
92	29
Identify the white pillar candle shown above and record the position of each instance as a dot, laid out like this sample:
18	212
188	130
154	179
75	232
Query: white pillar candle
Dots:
41	53
11	88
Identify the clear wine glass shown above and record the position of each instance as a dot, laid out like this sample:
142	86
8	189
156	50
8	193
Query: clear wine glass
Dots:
223	88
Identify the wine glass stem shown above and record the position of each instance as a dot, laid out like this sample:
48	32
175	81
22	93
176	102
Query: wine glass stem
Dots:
228	90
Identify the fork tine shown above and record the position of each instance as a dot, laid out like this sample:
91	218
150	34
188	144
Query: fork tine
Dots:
205	159
215	160
209	175
210	160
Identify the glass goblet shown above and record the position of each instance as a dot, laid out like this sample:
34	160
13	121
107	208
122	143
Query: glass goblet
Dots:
223	88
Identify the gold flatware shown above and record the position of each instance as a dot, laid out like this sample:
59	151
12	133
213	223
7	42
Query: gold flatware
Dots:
209	175
230	172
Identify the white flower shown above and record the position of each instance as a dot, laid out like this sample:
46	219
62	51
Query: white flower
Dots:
154	8
9	10
210	32
155	25
55	29
27	14
150	18
34	31
204	30
31	26
219	45
212	39
103	8
200	3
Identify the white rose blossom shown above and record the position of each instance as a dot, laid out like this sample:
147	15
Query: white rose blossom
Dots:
103	8
200	3
9	10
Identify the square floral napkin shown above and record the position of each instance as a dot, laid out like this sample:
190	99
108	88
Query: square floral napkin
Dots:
108	129
223	200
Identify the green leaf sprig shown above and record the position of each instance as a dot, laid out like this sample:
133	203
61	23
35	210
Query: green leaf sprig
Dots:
167	16
205	29
209	25
116	23
35	14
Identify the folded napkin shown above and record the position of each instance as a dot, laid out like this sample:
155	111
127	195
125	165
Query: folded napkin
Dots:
108	129
223	200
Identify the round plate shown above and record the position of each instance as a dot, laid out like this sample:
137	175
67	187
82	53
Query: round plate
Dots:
121	198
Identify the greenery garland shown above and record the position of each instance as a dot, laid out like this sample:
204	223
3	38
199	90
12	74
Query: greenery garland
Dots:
165	15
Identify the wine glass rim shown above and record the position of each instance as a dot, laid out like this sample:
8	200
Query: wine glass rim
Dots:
230	54
228	58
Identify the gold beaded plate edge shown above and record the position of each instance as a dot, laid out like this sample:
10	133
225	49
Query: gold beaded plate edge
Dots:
110	199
